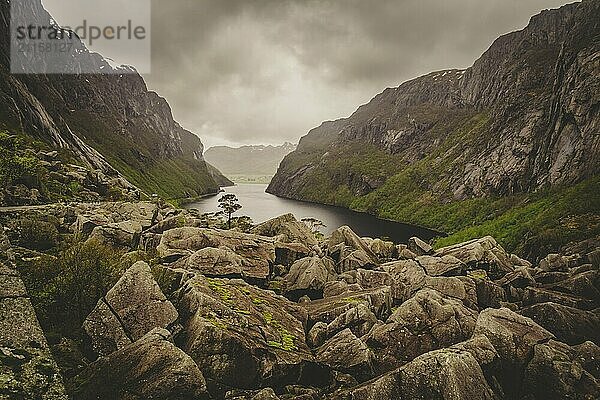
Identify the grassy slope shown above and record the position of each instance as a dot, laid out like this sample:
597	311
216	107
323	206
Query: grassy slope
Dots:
170	178
530	224
130	154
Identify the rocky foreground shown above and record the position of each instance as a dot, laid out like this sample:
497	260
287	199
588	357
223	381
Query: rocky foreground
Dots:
277	314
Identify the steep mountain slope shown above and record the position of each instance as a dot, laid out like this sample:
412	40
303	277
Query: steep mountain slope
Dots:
109	122
249	160
219	178
456	149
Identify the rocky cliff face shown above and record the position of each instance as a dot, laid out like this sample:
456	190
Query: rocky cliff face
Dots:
110	122
538	89
522	118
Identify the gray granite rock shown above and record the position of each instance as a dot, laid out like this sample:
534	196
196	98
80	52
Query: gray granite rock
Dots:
133	307
150	368
27	368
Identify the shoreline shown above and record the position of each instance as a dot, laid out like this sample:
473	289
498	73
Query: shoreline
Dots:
439	233
434	232
188	200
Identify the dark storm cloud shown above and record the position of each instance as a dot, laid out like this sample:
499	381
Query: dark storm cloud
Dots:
266	71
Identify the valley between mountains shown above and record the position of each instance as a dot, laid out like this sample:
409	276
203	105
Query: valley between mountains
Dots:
110	290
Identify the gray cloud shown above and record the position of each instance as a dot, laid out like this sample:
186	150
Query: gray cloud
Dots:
267	71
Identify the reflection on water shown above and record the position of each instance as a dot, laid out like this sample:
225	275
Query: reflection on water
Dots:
261	206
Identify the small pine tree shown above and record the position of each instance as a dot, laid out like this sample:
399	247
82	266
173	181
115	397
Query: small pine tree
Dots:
230	204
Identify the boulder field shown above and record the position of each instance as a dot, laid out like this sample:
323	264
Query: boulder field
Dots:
277	314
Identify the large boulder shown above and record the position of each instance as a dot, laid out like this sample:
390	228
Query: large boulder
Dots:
585	285
335	288
288	253
223	262
514	337
124	234
568	324
384	387
241	336
482	349
377	300
151	368
588	355
132	308
556	262
91	215
428	321
308	277
484	253
555	373
535	295
258	252
354	260
445	265
511	334
446	374
287	229
359	319
176	219
408	277
460	288
419	247
27	368
383	249
489	294
368	279
346	353
345	237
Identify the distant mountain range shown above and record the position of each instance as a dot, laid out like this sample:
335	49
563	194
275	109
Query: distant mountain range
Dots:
248	160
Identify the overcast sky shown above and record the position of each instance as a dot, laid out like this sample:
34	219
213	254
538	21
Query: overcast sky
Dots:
267	71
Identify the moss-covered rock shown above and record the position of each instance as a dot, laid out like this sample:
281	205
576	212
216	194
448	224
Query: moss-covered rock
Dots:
27	368
241	336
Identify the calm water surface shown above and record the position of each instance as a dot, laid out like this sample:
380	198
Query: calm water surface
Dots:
261	206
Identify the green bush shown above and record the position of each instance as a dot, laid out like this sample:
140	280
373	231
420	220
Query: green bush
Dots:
114	194
34	234
64	289
15	166
74	187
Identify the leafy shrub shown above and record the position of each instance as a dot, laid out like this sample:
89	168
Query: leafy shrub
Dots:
15	166
64	289
34	234
75	187
243	223
114	194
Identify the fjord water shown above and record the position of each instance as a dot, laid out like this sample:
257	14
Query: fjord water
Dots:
261	206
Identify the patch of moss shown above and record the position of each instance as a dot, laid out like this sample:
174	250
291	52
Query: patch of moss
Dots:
352	300
220	288
479	275
277	286
257	301
216	322
288	341
268	317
